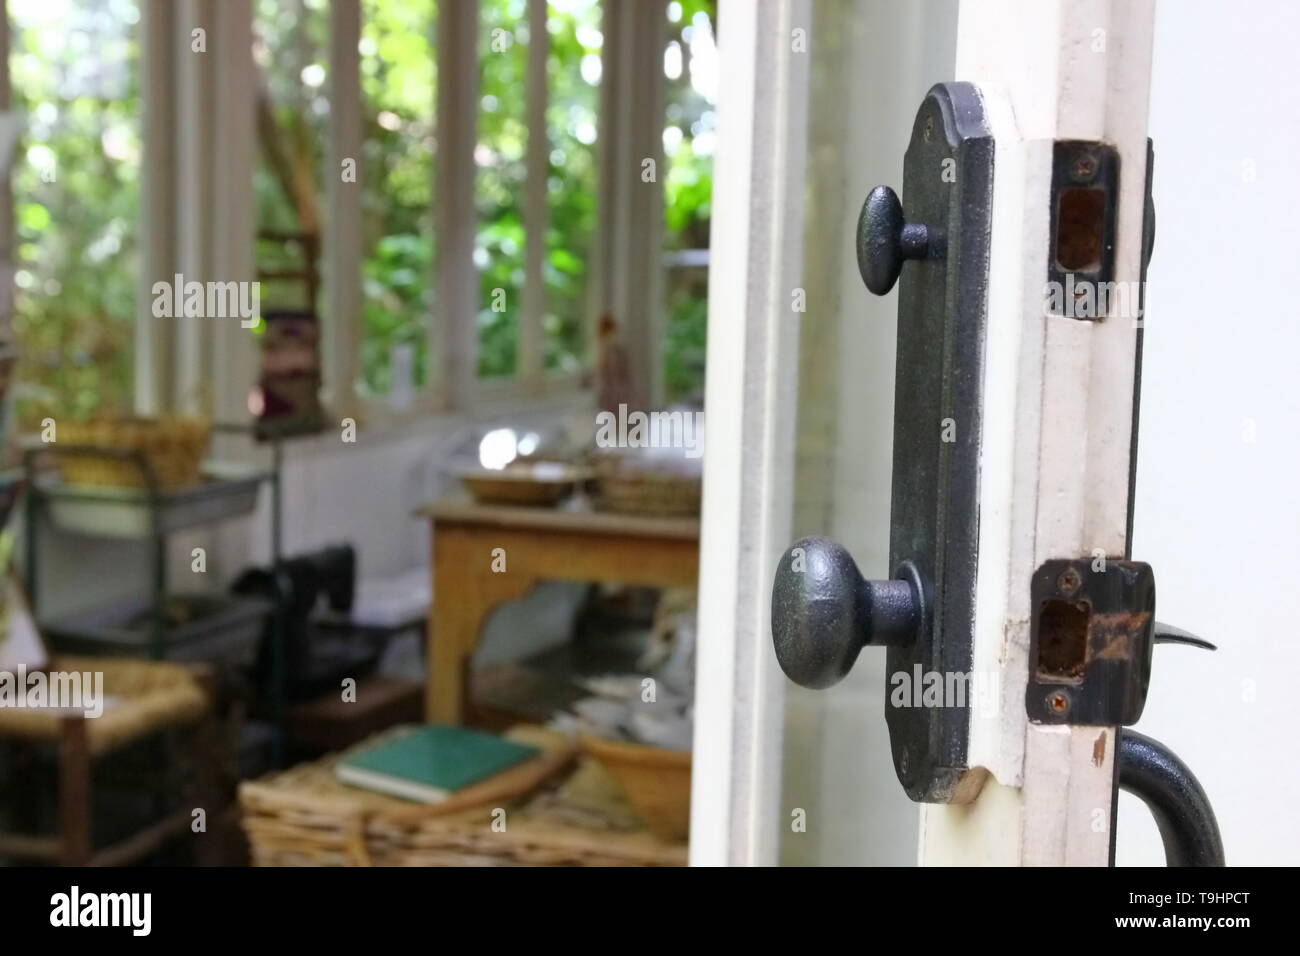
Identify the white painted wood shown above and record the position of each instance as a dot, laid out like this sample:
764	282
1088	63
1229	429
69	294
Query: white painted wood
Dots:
1057	411
197	216
531	338
644	274
756	245
154	338
454	331
195	155
234	217
603	263
630	225
342	251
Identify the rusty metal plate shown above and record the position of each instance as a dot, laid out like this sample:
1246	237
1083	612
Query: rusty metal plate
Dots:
1091	639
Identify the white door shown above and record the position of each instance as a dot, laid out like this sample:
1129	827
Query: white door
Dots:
1057	408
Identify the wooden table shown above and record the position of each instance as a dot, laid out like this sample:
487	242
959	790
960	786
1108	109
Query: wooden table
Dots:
539	544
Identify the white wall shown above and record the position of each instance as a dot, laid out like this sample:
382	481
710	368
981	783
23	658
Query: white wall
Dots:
1218	508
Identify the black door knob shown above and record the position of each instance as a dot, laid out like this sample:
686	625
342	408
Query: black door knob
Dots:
885	239
824	611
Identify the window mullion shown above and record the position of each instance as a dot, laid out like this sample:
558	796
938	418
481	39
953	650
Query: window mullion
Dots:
531	334
454	331
630	229
234	216
6	196
195	183
342	226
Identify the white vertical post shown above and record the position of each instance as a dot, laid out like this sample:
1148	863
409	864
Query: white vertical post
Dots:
756	256
1058	411
195	193
342	239
154	337
531	339
234	216
630	230
455	329
645	223
602	259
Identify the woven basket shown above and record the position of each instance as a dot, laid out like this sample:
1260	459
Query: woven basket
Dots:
140	697
657	782
173	447
636	489
306	817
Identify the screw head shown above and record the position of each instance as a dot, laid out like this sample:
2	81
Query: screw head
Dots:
1058	702
1068	582
1085	167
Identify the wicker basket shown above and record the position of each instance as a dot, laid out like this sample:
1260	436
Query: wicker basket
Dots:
306	817
634	488
173	447
657	782
140	697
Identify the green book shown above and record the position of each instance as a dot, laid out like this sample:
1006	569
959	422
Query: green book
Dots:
429	764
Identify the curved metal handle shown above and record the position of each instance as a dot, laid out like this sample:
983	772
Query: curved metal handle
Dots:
1153	772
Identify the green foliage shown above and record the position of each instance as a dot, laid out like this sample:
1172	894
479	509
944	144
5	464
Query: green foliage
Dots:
685	334
398	85
395	169
572	118
688	194
499	190
502	172
76	235
76	187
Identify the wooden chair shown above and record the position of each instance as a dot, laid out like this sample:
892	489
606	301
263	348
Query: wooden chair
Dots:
147	698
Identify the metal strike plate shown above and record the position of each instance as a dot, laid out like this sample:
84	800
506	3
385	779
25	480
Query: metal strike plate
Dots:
1090	642
1084	203
942	312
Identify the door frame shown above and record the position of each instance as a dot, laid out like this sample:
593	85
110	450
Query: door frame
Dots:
756	245
1059	412
1058	417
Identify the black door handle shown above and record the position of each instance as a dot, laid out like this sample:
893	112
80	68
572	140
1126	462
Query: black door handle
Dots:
1152	772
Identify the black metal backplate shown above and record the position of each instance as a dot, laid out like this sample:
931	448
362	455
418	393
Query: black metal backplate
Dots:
948	186
1090	642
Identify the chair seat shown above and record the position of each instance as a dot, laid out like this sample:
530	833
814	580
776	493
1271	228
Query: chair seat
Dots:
140	698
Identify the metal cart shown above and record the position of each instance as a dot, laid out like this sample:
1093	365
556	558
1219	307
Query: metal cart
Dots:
153	513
